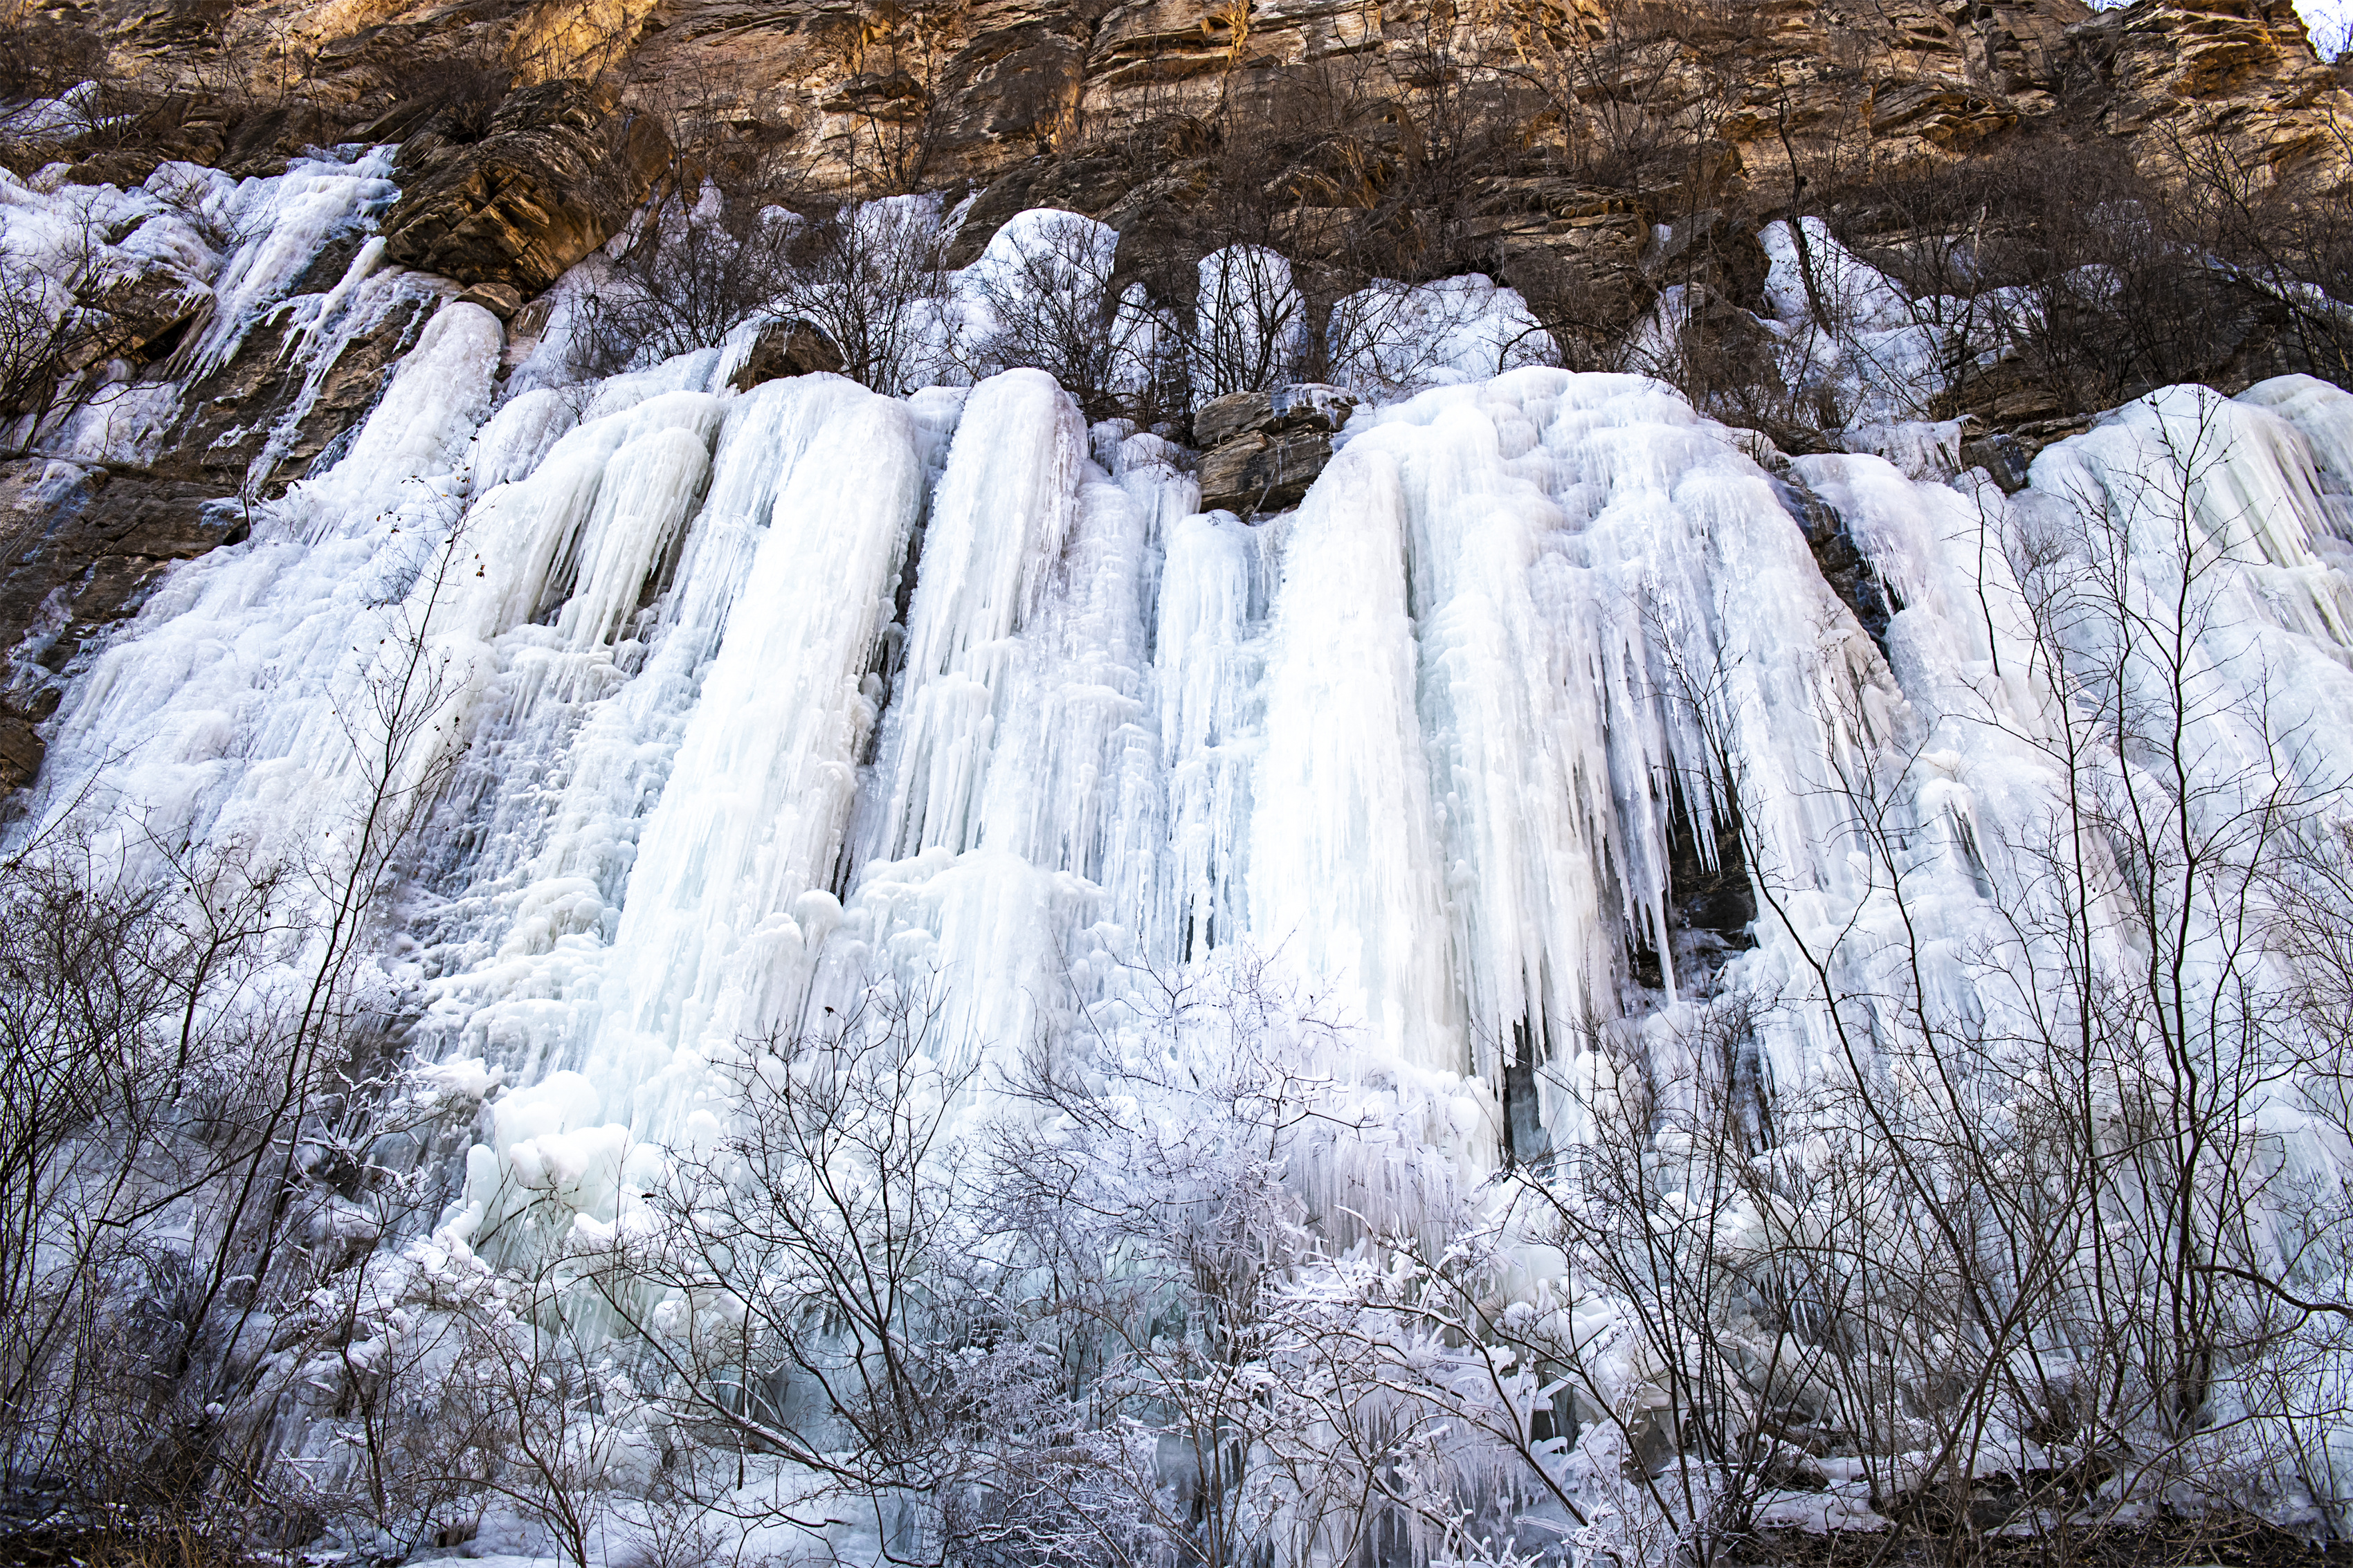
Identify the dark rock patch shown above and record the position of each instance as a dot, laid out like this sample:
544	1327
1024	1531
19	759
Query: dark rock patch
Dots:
557	175
793	347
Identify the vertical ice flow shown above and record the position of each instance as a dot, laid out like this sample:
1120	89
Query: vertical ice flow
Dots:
1016	786
1344	870
220	714
759	706
732	886
1443	741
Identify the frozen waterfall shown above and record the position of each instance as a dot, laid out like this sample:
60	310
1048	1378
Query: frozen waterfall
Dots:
743	699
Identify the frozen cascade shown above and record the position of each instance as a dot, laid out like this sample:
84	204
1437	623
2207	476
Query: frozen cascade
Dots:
734	862
1438	741
1424	738
540	921
1014	784
1215	584
216	718
1344	865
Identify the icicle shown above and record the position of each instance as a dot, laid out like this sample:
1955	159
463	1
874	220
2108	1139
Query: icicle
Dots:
732	885
1344	877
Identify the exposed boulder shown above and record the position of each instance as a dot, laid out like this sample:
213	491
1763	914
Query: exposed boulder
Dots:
1257	472
1999	454
501	300
1264	448
557	175
793	347
1305	405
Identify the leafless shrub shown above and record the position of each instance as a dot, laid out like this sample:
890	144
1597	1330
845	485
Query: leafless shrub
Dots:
199	1067
1043	298
62	319
870	276
42	57
687	278
873	277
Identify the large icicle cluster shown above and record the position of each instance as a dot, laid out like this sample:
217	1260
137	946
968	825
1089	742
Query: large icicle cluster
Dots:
741	701
758	693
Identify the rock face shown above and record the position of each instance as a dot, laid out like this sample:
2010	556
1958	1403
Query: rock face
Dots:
556	176
787	348
82	546
874	96
2241	70
1262	449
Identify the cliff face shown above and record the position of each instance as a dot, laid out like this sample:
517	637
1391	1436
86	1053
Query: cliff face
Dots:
1590	153
1575	149
866	96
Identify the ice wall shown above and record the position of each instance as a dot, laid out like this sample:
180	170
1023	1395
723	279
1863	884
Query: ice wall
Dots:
741	701
226	714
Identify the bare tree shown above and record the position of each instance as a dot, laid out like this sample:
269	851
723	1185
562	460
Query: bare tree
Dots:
874	278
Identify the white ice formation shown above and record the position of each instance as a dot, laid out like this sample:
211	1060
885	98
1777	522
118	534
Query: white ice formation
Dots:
1427	737
745	698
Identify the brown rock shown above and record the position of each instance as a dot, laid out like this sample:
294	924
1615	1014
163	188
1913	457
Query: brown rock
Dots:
233	414
1091	182
1221	420
78	549
1257	472
793	347
1711	250
559	173
1306	405
501	300
2243	71
1999	455
21	751
1266	448
868	96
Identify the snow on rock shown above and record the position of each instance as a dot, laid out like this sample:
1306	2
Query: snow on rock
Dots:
223	254
283	222
1875	352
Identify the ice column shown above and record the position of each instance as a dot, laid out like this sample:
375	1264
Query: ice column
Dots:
1017	782
730	884
1344	877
